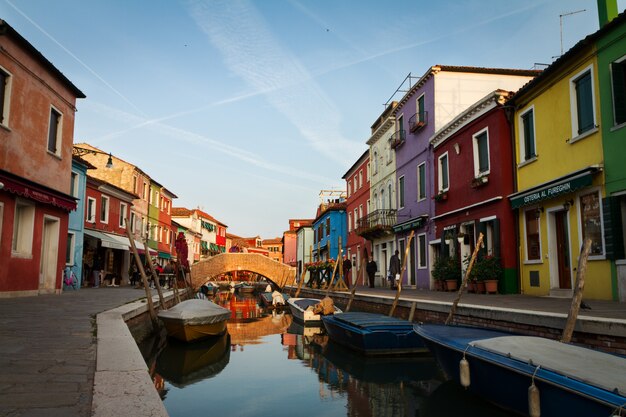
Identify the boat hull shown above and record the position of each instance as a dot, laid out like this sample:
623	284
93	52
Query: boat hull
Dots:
192	333
505	380
373	334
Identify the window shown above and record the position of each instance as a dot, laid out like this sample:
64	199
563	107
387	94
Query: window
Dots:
375	162
401	192
69	250
123	213
91	210
349	188
162	203
74	184
133	219
5	96
134	184
618	82
421	181
54	132
328	226
360	211
367	172
421	251
481	153
349	222
527	135
356	185
420	109
145	191
444	182
157	199
582	105
591	222
533	241
104	209
356	216
23	228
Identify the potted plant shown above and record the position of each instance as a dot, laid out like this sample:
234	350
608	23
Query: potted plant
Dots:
439	272
489	270
447	270
441	196
471	279
478	181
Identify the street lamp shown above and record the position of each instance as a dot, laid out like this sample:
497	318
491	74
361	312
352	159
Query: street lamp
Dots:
80	151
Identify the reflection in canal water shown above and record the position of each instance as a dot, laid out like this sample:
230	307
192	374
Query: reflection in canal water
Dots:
268	364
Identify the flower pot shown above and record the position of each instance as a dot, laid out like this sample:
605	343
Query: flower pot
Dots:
471	286
451	284
491	286
439	285
480	287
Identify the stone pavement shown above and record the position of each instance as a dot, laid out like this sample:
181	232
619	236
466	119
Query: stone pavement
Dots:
48	350
48	345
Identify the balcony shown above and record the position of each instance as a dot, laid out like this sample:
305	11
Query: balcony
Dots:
376	224
418	121
397	139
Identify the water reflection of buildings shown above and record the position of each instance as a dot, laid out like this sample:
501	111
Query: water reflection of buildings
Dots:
389	386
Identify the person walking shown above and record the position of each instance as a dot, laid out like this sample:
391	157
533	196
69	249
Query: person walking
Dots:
394	269
371	269
96	270
347	266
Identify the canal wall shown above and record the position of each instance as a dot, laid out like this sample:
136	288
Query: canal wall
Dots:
122	382
607	334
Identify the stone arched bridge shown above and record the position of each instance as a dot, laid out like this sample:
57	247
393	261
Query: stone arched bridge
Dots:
277	272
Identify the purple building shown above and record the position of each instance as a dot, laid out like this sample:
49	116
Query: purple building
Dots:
441	94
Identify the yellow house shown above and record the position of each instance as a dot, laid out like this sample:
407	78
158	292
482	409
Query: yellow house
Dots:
560	179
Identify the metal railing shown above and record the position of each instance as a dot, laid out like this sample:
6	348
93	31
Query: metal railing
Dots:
418	120
398	138
377	223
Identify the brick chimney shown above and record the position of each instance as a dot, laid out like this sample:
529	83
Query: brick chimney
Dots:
607	11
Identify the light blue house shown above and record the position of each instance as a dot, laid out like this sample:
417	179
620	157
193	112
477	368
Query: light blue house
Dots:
76	222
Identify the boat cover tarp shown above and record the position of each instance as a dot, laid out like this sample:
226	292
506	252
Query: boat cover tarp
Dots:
373	321
196	312
593	367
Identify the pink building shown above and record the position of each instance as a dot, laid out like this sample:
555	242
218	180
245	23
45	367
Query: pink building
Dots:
37	106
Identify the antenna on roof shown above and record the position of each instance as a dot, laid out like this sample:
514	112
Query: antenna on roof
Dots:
561	16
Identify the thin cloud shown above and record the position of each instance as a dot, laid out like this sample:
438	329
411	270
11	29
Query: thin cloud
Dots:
87	67
250	51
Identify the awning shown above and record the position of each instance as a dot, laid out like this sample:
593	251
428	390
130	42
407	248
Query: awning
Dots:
141	249
41	193
164	255
414	223
563	185
107	240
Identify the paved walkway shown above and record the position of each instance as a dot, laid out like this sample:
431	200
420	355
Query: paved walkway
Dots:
48	344
48	351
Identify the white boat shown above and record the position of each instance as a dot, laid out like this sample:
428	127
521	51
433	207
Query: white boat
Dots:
195	319
302	309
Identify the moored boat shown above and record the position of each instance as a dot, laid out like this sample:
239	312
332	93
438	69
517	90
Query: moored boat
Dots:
195	319
267	299
373	334
302	309
561	379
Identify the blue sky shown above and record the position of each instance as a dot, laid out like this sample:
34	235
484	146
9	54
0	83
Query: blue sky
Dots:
247	109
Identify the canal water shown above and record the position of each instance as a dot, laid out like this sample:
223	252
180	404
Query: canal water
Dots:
269	365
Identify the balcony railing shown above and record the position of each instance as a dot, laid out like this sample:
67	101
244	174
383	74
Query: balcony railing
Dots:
377	223
418	121
397	139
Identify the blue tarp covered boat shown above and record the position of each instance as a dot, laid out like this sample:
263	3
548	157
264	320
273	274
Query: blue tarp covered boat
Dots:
571	380
373	334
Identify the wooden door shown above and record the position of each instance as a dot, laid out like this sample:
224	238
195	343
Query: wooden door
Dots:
562	246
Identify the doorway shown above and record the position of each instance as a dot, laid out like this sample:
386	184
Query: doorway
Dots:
49	255
562	249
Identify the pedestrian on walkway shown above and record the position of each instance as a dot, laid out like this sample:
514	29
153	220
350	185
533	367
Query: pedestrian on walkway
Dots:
371	269
347	266
97	271
394	270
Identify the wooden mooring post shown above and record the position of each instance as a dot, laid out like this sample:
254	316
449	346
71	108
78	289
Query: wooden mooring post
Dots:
402	270
578	292
479	243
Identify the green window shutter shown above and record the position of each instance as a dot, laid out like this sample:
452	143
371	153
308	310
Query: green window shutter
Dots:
483	153
496	237
613	237
529	135
584	104
422	180
618	71
444	172
420	110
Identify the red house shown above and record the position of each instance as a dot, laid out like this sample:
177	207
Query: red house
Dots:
106	242
358	249
473	166
37	107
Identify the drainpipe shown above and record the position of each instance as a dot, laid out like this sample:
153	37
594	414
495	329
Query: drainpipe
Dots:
607	11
